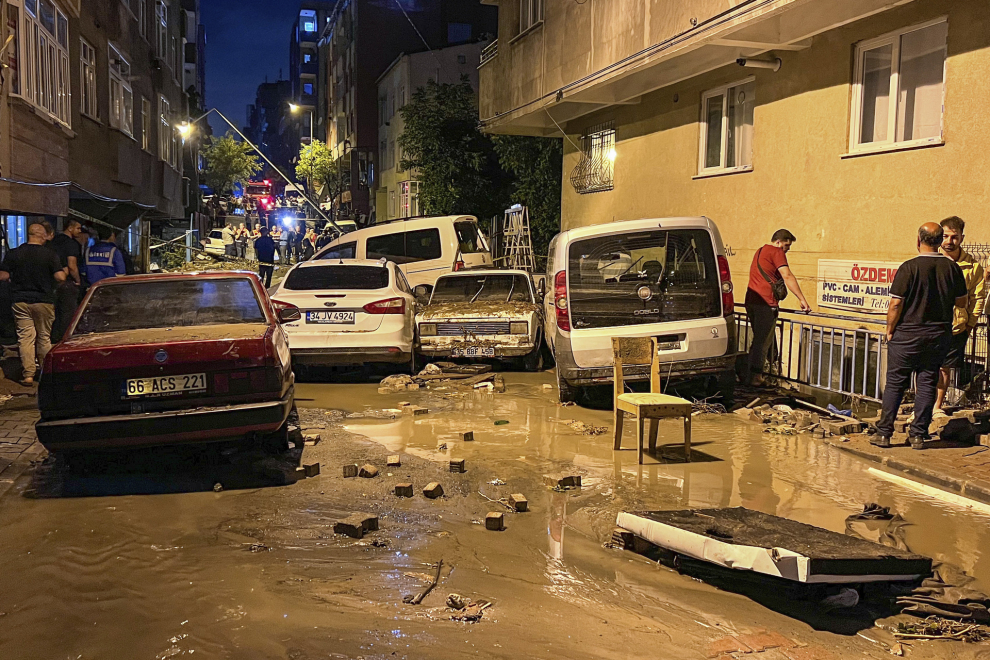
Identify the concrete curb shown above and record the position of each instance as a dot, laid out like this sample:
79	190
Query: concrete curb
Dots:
10	474
976	489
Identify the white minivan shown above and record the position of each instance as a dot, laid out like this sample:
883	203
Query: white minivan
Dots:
423	248
666	278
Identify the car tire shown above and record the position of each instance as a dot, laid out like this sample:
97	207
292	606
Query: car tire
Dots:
566	392
534	360
412	364
275	443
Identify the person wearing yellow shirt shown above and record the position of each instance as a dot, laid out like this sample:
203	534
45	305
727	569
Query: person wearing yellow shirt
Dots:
964	318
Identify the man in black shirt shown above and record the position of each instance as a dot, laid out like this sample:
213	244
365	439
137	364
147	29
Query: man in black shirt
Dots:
66	246
33	271
923	295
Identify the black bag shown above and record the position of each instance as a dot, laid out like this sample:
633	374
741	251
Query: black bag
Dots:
777	287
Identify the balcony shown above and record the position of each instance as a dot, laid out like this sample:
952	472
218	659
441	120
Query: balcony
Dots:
489	53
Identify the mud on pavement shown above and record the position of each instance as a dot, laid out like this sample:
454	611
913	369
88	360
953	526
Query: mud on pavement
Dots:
255	570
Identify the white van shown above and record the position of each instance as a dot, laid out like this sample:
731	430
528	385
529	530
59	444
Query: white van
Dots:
423	248
666	278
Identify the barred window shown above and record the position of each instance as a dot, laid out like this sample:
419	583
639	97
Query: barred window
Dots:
595	171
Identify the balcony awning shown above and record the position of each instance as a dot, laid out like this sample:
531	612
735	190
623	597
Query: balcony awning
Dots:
751	29
119	213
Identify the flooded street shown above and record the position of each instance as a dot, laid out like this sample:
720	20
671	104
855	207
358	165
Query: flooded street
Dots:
138	562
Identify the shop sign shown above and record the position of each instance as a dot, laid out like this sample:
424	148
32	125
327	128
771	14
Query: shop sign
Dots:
855	286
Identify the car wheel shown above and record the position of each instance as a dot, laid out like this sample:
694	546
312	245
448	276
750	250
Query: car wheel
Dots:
534	361
275	443
412	364
724	386
567	393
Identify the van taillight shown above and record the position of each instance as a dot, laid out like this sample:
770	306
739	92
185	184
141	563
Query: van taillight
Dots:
458	265
560	301
390	306
725	280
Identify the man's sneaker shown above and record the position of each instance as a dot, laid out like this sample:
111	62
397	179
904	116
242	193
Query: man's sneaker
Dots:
880	441
917	443
938	412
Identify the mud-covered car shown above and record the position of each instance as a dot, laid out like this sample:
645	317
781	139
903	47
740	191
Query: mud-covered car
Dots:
483	314
167	359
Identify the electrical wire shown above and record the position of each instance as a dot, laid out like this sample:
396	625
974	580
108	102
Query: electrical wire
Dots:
421	37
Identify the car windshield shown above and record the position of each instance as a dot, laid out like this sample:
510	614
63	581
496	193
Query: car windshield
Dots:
337	277
469	238
482	288
137	305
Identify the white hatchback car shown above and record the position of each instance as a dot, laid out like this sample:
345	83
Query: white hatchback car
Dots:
352	311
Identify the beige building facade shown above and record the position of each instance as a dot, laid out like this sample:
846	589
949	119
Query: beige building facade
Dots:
397	194
849	122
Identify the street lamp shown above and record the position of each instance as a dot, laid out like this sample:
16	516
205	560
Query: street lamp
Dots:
295	108
186	127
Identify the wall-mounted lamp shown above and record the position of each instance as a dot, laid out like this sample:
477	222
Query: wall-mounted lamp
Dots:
750	63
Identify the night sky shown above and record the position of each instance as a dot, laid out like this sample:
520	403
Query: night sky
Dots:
245	41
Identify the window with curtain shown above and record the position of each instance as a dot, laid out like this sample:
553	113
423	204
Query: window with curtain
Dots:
87	78
121	95
727	128
899	88
42	33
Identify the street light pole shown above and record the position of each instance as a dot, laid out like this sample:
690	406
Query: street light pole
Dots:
185	128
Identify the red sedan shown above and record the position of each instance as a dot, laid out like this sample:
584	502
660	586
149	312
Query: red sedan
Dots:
165	359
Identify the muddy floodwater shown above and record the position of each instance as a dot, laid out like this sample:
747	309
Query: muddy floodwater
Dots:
146	560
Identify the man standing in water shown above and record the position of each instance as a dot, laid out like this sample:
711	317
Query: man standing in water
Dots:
923	295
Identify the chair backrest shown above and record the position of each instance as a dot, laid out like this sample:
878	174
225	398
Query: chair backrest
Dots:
635	351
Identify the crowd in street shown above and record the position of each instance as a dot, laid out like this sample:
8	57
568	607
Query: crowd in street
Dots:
291	243
48	276
936	300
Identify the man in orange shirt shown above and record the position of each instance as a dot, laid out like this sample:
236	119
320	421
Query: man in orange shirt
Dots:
768	271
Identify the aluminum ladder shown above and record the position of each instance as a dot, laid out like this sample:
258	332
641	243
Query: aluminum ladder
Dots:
518	242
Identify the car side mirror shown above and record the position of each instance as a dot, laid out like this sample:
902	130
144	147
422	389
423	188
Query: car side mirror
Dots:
289	314
422	293
541	289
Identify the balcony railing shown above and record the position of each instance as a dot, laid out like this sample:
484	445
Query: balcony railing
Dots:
489	53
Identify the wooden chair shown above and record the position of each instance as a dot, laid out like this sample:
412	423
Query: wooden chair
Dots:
653	406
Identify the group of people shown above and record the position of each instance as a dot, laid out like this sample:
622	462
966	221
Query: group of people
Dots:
936	300
299	242
48	276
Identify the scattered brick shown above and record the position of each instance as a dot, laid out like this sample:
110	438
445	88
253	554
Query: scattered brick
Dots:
433	490
394	461
562	481
495	521
350	471
368	471
415	411
468	436
725	646
312	439
311	470
353	527
369	521
457	466
519	502
403	490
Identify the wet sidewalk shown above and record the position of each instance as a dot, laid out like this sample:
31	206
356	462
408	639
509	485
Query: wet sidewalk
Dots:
962	470
18	443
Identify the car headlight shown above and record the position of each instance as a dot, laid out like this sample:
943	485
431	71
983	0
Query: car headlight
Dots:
519	328
428	329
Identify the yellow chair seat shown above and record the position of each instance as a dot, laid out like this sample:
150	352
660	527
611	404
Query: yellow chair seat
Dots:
649	399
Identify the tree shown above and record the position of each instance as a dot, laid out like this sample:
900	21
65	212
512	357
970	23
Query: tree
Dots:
321	169
536	164
228	162
455	162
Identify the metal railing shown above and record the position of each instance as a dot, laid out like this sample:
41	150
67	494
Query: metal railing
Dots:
489	53
847	355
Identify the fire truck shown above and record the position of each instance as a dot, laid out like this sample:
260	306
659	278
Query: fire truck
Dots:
258	198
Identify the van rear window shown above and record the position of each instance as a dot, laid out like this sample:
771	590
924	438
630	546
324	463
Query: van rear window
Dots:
641	278
469	238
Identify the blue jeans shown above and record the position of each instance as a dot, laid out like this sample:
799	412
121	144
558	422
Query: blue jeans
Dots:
907	355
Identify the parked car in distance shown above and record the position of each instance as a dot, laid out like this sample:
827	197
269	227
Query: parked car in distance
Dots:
213	243
423	248
166	359
350	311
666	278
483	314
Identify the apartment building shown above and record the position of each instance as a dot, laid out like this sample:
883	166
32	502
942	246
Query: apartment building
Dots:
90	104
397	193
849	122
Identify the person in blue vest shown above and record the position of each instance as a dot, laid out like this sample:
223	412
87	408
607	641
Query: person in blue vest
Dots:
103	259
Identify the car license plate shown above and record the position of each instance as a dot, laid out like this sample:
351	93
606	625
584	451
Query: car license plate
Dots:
669	346
327	317
164	385
474	351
